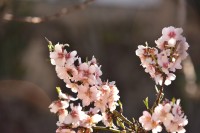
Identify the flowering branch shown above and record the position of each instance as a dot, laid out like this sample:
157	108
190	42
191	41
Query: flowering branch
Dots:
161	64
98	100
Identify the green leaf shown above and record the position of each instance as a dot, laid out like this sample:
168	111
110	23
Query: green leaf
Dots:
117	122
133	120
120	123
173	100
58	90
120	106
50	45
146	102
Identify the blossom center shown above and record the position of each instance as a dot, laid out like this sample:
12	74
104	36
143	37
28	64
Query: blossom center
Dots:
172	34
60	55
74	114
88	93
165	65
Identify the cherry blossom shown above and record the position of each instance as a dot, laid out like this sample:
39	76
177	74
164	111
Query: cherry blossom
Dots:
62	113
169	114
88	73
84	79
91	120
58	55
162	113
180	120
75	116
88	94
64	130
101	104
148	123
108	97
70	57
169	38
73	86
57	105
107	119
95	101
67	73
172	32
161	64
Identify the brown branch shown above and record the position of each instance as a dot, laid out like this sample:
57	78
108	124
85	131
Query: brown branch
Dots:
124	119
159	94
106	129
36	20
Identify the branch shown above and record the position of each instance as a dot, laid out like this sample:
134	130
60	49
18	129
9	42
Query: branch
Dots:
106	129
36	20
124	119
159	94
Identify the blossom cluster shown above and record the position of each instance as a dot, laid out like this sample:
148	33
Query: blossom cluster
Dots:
95	101
94	98
168	114
161	64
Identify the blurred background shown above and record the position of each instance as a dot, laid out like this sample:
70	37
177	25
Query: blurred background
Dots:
108	29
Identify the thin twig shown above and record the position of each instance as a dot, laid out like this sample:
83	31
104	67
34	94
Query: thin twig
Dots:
159	94
106	129
124	119
36	20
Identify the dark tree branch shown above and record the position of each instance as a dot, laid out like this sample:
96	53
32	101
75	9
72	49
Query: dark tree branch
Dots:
36	20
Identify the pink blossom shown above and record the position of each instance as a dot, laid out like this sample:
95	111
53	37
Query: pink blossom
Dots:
107	119
62	113
90	121
101	104
93	111
140	51
170	78
64	130
87	73
146	55
159	79
161	43
73	86
108	98
61	57
179	120
70	58
84	79
162	113
57	105
175	64
113	97
148	123
169	37
182	47
172	32
67	73
75	116
58	55
163	61
88	94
